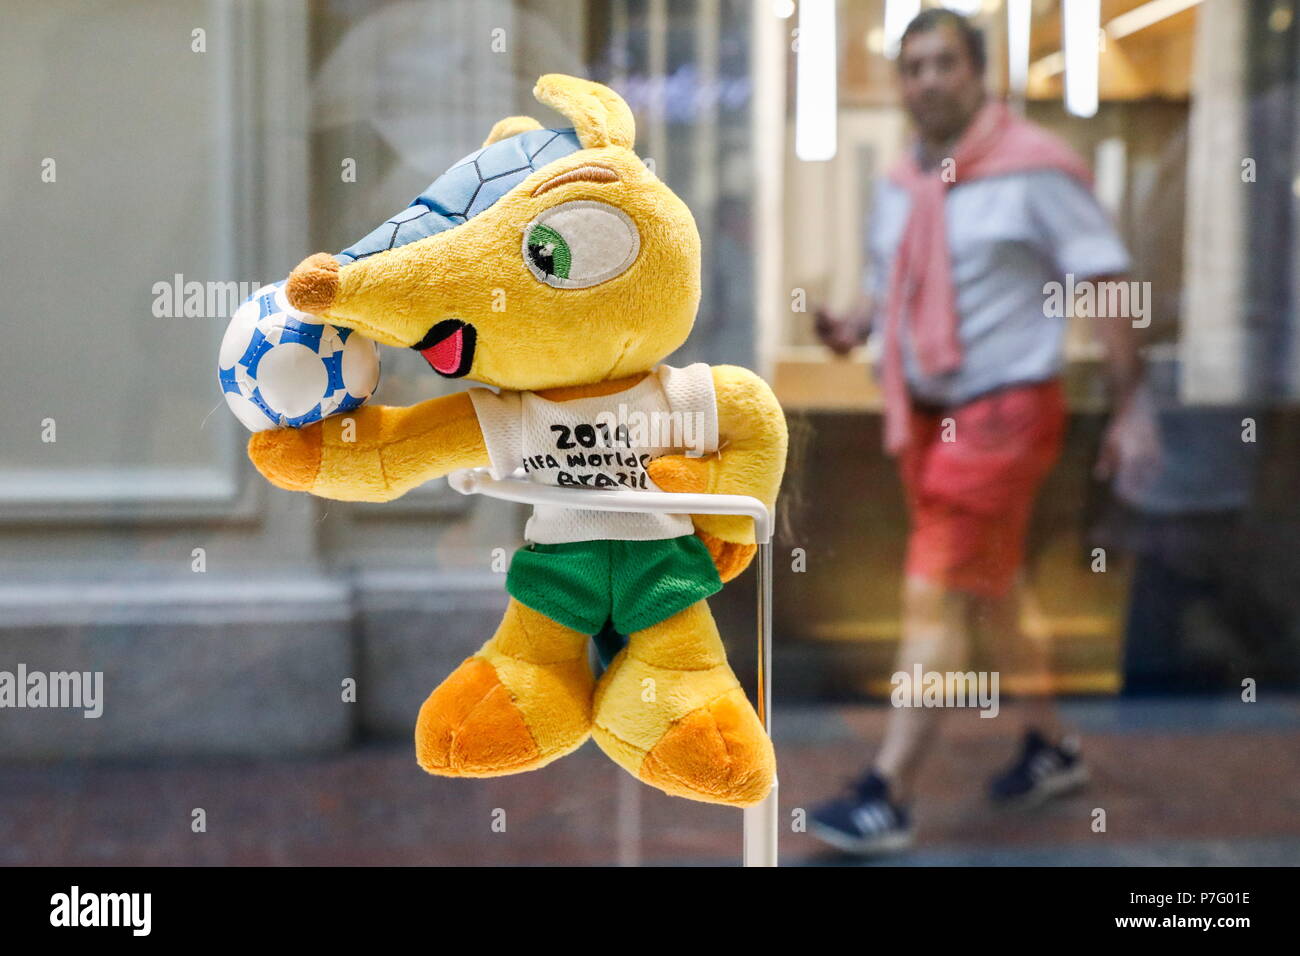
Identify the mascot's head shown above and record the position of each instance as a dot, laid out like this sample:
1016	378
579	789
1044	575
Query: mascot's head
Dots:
547	258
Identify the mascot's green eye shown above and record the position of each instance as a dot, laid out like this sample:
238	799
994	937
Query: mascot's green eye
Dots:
580	243
549	252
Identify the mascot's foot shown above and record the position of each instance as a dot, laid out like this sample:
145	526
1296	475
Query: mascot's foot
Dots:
522	701
688	730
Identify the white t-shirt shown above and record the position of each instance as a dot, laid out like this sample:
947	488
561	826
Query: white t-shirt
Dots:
602	441
1007	236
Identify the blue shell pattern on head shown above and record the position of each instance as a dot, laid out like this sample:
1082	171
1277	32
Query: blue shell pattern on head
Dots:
466	189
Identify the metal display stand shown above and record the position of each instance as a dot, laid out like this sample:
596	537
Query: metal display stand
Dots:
760	820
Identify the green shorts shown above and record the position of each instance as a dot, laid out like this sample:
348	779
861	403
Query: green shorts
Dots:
633	584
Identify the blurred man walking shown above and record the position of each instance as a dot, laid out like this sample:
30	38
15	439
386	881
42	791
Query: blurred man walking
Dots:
983	213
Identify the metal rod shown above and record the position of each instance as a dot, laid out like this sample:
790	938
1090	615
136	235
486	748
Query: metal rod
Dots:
761	822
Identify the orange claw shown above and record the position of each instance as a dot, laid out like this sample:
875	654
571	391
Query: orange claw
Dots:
730	557
288	458
683	475
680	474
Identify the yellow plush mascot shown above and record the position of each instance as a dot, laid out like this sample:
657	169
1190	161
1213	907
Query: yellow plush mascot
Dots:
554	266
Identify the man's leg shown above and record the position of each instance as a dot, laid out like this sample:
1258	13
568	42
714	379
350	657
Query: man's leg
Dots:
1050	762
872	816
1019	650
935	636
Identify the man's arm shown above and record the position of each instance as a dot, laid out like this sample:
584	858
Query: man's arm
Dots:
1077	234
1123	356
1131	436
843	333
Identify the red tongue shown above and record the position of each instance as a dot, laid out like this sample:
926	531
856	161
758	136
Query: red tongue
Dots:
444	355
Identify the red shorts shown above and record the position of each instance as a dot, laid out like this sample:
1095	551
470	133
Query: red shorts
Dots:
971	474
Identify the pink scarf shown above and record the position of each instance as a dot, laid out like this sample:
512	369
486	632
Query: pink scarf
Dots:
996	143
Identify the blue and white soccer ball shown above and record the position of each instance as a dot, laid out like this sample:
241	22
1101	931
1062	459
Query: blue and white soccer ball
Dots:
280	368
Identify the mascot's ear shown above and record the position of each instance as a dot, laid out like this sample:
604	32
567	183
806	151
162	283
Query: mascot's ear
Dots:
599	115
510	126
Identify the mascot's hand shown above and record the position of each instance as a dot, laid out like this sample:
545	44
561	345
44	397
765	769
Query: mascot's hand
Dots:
684	475
288	458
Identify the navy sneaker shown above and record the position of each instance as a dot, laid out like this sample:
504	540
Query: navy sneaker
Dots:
865	821
1043	770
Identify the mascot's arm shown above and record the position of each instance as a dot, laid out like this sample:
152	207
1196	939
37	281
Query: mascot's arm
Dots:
383	455
750	461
